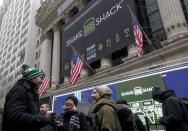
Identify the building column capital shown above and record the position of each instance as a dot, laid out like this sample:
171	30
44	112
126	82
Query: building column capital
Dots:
67	16
66	79
132	51
46	35
106	62
56	27
173	17
82	3
84	72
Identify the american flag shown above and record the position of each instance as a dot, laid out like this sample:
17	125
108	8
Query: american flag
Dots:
44	85
138	36
76	67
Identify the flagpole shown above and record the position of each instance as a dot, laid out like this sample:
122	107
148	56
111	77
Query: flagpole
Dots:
93	71
140	26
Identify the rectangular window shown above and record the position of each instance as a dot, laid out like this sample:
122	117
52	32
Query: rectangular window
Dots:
8	56
5	53
3	62
18	73
5	73
10	48
7	64
13	59
2	69
15	50
10	78
4	83
1	77
12	68
23	42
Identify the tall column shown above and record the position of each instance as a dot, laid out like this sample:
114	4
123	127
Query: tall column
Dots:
46	54
56	58
132	51
66	79
106	62
67	17
84	72
172	17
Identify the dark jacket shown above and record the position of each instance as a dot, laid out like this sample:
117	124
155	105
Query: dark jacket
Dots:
106	118
21	108
128	120
172	107
50	127
139	125
74	121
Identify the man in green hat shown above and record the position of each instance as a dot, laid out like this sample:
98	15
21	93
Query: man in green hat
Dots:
21	111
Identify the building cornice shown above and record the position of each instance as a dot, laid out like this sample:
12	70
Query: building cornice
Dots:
46	13
48	16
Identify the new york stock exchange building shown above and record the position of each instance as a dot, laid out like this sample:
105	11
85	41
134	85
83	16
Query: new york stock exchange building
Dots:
129	45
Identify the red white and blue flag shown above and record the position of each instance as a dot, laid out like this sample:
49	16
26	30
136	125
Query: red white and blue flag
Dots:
44	86
138	36
76	67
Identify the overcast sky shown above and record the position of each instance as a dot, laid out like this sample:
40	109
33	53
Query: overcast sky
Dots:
1	1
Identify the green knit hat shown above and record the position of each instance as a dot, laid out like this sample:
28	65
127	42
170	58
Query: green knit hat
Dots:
30	72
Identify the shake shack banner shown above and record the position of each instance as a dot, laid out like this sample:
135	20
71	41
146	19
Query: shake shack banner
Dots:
104	26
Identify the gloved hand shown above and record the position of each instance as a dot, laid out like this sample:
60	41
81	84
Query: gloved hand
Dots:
50	115
41	120
60	126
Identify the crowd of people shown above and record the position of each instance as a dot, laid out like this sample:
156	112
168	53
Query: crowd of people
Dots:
21	111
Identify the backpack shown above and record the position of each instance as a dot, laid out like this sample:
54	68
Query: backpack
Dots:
89	122
126	118
185	101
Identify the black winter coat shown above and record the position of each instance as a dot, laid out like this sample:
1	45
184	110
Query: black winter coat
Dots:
79	119
173	108
50	127
21	108
140	126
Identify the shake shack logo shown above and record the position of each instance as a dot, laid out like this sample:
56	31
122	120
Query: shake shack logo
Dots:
91	24
136	91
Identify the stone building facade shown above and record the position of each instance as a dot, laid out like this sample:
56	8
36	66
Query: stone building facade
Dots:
165	25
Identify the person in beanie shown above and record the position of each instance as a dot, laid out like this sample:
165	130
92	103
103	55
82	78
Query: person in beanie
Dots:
105	109
173	110
21	111
71	118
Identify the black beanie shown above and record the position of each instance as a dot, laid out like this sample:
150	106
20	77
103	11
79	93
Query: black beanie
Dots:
74	99
156	92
